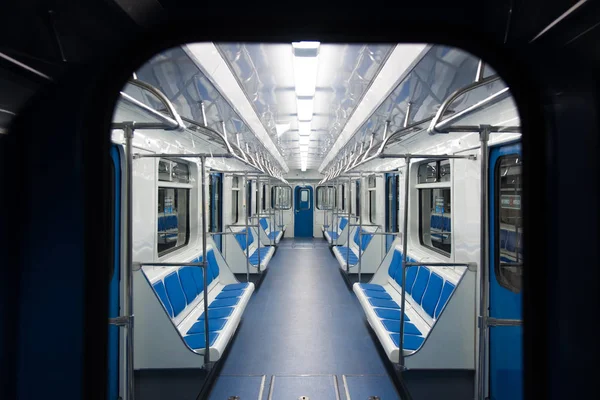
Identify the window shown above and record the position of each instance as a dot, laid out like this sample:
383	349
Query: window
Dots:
173	205
343	187
326	197
509	223
173	171
372	200
392	203
215	203
173	219
249	198
264	197
435	212
281	197
235	191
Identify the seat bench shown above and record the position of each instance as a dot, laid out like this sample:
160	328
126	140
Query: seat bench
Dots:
272	235
337	230
348	254
253	251
427	294
180	291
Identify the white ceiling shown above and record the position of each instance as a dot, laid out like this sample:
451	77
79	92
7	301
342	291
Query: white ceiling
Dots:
266	74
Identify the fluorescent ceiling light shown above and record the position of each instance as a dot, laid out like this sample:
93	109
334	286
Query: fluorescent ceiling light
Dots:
305	108
304	128
306	59
303	148
304	140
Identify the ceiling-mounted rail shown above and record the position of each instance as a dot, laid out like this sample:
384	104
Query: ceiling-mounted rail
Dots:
445	106
163	99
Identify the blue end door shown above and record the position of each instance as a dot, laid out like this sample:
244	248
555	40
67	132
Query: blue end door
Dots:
303	210
113	290
391	209
506	267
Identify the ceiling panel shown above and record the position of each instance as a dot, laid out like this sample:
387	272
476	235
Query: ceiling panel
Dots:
266	73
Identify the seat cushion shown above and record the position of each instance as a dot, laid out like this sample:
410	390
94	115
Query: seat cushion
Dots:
224	303
394	327
236	286
384	303
218	313
229	294
411	342
198	341
371	286
376	294
386	313
213	326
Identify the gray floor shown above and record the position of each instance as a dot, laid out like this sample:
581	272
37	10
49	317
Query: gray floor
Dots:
303	330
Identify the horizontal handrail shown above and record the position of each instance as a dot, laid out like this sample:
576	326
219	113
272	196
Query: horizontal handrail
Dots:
378	233
163	99
363	225
190	155
425	264
456	94
167	122
227	233
493	99
201	264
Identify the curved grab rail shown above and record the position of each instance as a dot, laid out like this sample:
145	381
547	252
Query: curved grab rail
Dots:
166	122
456	94
163	99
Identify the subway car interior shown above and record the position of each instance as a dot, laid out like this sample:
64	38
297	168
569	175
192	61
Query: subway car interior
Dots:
240	202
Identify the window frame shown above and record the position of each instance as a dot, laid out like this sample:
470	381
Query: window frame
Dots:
274	204
188	191
318	204
372	194
498	193
235	189
437	184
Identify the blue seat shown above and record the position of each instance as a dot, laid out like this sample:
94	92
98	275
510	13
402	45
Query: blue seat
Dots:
411	342
198	341
377	294
213	325
427	291
386	313
432	294
236	286
159	289
229	294
445	295
394	327
217	313
370	286
384	303
175	293
230	302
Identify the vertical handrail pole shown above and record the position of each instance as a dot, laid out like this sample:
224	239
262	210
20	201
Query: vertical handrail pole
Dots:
348	246
258	195
326	213
272	214
360	240
247	229
128	301
483	279
404	257
205	259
